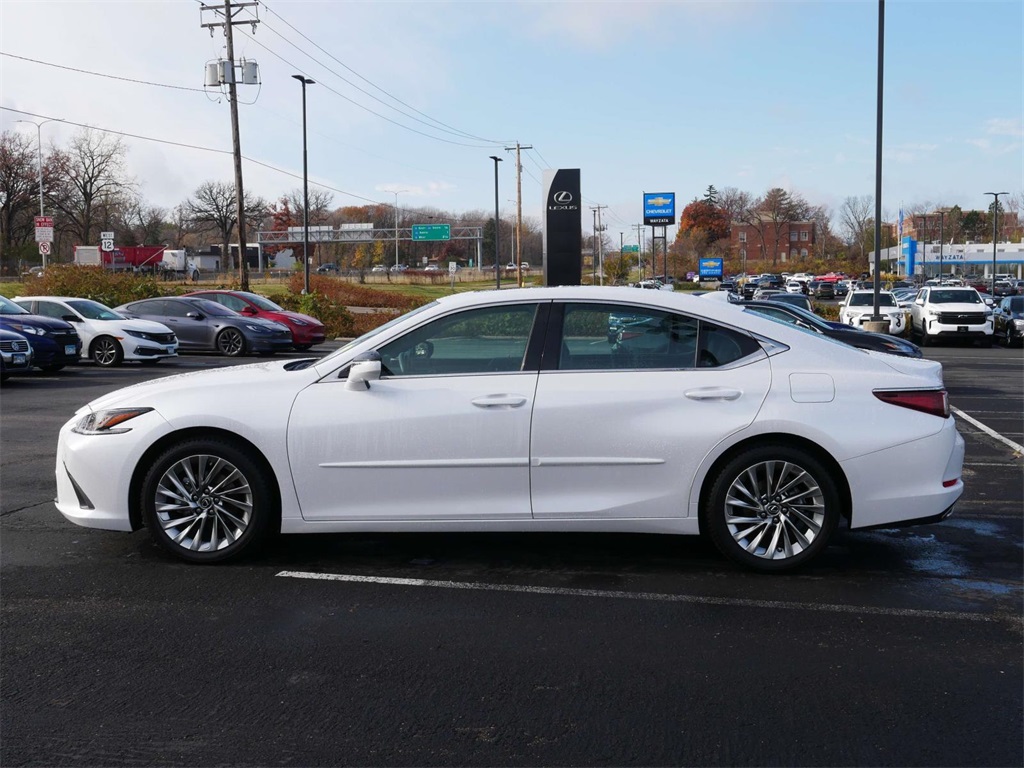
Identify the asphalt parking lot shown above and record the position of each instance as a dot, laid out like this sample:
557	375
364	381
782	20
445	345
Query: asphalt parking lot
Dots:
896	647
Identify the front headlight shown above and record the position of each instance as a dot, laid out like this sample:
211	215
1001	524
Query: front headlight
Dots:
140	335
257	328
107	422
31	329
1019	324
297	321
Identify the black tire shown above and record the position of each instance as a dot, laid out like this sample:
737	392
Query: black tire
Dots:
150	361
231	342
986	343
226	509
798	526
106	351
51	368
302	347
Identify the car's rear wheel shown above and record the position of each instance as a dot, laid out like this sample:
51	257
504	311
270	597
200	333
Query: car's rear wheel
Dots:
772	508
302	347
206	501
106	351
230	342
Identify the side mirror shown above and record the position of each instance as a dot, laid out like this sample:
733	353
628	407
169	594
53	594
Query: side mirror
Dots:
362	372
249	310
71	318
194	315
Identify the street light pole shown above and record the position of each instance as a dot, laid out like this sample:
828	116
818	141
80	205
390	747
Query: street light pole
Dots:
995	235
497	227
924	246
39	138
305	188
396	194
942	218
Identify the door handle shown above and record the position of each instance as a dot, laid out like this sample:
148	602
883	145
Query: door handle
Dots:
499	401
713	393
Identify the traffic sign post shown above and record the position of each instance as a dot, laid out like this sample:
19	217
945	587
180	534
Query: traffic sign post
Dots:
44	234
431	232
106	241
44	248
631	249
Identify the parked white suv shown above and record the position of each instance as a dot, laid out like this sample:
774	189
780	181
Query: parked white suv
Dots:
950	313
860	306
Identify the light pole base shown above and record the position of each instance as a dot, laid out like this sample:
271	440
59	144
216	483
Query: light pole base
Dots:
875	326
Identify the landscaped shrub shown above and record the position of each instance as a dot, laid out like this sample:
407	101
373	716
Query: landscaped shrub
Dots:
336	318
329	299
827	311
96	283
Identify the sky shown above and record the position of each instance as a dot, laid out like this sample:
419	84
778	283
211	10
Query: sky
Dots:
414	97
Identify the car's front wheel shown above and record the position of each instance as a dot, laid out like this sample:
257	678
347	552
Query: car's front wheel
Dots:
772	508
206	501
230	342
106	351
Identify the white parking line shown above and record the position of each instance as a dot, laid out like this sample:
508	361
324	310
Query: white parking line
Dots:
988	430
652	596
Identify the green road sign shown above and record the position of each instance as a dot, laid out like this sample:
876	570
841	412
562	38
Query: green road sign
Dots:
431	232
631	249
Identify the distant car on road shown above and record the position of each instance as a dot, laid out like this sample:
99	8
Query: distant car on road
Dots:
822	289
951	313
328	269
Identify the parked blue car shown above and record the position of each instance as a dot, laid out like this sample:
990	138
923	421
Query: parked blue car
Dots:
54	342
15	354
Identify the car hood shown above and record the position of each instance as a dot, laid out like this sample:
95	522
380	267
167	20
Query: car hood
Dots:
292	316
209	383
146	326
37	321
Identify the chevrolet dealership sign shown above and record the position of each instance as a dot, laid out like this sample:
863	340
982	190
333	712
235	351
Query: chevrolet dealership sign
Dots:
659	209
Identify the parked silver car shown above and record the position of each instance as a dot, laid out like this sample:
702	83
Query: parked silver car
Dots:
201	324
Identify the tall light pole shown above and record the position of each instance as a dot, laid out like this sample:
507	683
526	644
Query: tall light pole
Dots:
39	137
497	227
396	194
942	218
995	235
305	187
924	248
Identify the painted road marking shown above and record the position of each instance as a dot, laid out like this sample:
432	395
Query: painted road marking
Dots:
988	430
651	596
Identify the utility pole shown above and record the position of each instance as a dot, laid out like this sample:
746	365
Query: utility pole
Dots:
228	13
593	250
640	254
599	241
519	211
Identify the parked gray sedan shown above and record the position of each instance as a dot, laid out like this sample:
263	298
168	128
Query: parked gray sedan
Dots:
201	324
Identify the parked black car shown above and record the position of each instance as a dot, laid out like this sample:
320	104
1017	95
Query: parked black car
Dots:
1008	320
855	337
55	343
201	324
15	354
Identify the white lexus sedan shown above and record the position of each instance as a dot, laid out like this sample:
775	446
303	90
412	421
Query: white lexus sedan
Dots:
537	409
108	338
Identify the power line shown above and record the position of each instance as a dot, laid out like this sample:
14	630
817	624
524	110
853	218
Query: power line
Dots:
370	82
101	74
195	147
361	106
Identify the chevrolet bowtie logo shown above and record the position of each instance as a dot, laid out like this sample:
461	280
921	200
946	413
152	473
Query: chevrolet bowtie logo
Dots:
659	201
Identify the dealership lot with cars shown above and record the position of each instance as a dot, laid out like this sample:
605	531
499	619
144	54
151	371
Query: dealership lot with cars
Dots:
487	648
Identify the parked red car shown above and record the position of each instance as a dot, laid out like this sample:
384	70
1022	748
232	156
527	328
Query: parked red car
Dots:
306	330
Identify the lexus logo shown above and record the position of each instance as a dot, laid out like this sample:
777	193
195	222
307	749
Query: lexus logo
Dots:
562	197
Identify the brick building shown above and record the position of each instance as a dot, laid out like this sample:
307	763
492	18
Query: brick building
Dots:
794	240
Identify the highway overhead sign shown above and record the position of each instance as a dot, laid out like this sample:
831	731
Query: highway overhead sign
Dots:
431	232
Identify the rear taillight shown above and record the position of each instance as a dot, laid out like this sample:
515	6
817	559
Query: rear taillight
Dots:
933	401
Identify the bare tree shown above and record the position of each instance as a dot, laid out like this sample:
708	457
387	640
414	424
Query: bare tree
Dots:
213	204
90	180
771	215
18	188
856	220
320	202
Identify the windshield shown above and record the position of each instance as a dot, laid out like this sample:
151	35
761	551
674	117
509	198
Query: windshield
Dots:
868	300
8	307
212	308
954	297
379	329
1017	304
791	314
263	302
93	310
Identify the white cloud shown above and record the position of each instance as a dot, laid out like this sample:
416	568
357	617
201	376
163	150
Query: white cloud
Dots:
999	126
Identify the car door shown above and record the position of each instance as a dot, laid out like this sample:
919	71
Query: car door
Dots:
443	435
621	426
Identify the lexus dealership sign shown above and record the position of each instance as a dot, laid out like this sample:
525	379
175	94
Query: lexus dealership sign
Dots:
563	227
